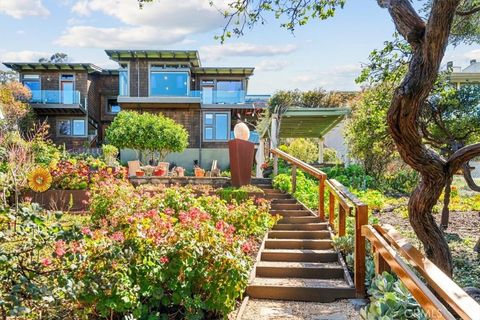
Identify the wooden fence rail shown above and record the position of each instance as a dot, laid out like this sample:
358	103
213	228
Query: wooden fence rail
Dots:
348	205
392	252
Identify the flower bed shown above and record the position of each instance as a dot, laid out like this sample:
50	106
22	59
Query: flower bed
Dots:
146	254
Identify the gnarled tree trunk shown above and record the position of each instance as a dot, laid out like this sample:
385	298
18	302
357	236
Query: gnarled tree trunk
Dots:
428	42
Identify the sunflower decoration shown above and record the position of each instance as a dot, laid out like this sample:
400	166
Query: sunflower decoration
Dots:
40	179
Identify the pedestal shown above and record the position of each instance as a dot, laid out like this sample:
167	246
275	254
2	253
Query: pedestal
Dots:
241	161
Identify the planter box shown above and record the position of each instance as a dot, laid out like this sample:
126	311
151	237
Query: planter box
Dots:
61	200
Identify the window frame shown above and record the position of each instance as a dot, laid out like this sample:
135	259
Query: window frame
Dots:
71	122
107	109
178	69
127	69
213	125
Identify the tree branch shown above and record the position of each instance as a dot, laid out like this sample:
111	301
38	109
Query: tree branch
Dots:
468	12
463	155
467	175
407	21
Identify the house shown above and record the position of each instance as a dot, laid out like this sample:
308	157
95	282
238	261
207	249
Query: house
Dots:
80	100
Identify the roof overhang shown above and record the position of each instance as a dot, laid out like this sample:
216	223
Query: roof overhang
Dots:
310	122
465	77
190	56
239	71
39	66
58	109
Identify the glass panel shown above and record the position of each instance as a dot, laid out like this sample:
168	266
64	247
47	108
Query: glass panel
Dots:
123	82
168	83
78	127
31	76
221	126
64	128
229	92
68	77
209	118
68	95
207	95
35	88
208	133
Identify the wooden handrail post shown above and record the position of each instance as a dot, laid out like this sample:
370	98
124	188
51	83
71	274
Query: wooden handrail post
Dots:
381	264
331	209
341	221
294	179
275	165
361	218
321	198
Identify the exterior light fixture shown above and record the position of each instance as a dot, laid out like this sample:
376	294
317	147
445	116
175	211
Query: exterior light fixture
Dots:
241	131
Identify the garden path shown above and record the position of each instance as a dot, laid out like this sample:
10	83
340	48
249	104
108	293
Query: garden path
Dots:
296	310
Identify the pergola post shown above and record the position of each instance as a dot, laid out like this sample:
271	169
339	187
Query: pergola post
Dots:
321	149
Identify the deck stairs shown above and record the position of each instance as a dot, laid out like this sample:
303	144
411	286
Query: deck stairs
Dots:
297	260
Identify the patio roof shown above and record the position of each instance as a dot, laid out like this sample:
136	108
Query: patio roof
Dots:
224	71
48	66
310	122
173	55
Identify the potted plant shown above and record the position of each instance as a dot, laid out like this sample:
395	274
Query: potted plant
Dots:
139	173
180	171
159	172
199	172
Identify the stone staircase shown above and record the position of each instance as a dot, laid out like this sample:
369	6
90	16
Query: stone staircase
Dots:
297	260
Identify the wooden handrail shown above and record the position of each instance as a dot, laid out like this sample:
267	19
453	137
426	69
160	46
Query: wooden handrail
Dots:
300	164
347	204
429	302
392	247
464	305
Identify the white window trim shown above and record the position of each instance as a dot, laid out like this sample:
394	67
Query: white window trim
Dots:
204	126
182	70
57	120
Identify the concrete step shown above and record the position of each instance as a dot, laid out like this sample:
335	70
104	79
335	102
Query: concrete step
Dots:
303	226
315	290
292	213
299	220
299	255
287	206
299	234
310	270
298	244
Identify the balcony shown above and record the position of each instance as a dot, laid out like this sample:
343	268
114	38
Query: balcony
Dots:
57	102
203	97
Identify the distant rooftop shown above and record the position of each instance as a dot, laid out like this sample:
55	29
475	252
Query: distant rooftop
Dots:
468	74
191	56
46	66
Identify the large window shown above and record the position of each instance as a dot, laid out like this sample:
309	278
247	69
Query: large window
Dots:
123	80
32	81
216	126
71	127
168	83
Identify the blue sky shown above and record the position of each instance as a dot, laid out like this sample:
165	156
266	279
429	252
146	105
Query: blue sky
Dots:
324	54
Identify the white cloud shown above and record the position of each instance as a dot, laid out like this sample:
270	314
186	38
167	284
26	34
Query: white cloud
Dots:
22	56
473	54
336	78
271	65
217	52
158	23
22	8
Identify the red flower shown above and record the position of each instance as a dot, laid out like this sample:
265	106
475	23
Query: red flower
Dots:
60	248
46	262
118	236
247	247
86	231
164	260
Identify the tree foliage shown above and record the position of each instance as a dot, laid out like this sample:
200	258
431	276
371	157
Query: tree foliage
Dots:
58	57
147	132
303	149
13	104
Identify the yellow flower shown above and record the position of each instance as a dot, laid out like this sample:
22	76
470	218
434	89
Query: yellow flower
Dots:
39	179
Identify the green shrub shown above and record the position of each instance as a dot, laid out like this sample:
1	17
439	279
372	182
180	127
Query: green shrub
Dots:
330	156
303	149
352	176
390	299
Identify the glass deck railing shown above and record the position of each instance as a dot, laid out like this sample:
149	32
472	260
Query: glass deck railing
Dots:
55	97
208	96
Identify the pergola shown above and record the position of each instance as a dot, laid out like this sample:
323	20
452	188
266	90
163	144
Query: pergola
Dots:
299	122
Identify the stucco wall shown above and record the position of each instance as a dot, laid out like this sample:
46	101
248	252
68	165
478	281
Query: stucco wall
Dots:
335	140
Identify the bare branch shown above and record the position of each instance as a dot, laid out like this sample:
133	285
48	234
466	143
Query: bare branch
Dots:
463	155
467	175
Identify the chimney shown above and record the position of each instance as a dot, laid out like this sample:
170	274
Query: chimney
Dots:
473	61
449	65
